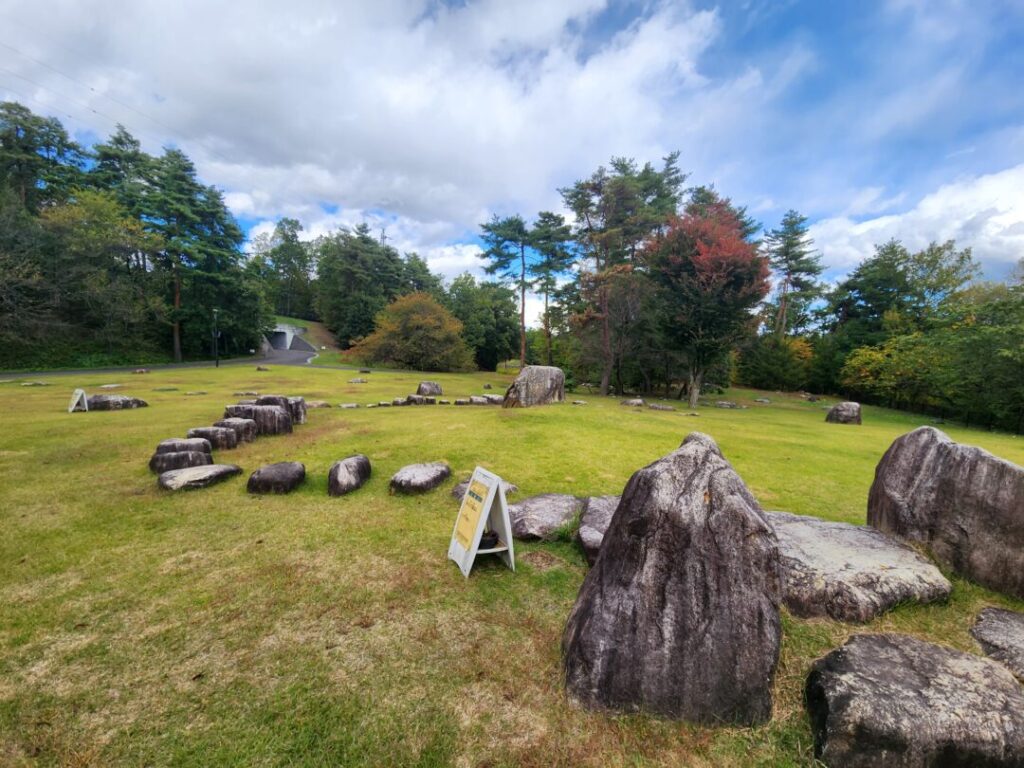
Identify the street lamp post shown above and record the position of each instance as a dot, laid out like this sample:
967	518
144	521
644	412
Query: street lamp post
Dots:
216	340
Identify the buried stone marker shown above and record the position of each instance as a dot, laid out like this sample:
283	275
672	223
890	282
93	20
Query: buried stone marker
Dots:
419	478
197	477
348	475
483	507
282	477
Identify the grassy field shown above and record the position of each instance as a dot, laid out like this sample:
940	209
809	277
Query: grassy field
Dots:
139	627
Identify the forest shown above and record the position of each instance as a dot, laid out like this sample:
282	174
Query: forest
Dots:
110	255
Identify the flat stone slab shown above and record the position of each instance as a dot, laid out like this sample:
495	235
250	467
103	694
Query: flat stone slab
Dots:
317	404
660	407
1001	635
597	514
165	462
419	478
282	477
540	517
894	700
197	477
348	475
222	438
635	402
849	572
460	489
114	402
176	444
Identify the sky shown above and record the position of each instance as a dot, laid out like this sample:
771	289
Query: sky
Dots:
897	118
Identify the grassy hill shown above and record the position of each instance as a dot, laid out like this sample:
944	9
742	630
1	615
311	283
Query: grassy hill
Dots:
219	628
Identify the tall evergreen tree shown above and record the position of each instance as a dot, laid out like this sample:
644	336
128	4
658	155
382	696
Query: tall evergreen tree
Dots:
507	241
797	268
550	238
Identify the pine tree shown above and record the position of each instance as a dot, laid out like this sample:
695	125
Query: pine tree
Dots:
797	267
507	241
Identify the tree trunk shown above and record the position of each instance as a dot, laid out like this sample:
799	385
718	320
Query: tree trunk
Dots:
522	307
696	379
547	330
780	320
177	322
607	358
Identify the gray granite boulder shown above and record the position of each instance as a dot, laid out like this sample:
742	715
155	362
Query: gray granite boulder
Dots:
844	413
494	399
477	400
176	444
282	477
460	489
165	462
660	407
1001	635
726	404
357	381
419	478
114	402
420	400
348	475
462	401
542	516
896	701
679	616
197	477
270	419
221	438
297	409
634	402
594	522
429	388
849	572
245	429
536	385
963	504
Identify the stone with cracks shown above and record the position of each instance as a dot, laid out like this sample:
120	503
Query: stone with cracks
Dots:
270	419
419	478
536	385
680	614
282	477
1001	635
297	409
460	489
963	504
541	517
221	438
896	701
176	444
348	475
197	477
844	413
849	572
594	522
429	388
114	402
164	462
245	429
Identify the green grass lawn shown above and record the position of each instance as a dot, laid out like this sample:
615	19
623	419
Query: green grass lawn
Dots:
139	627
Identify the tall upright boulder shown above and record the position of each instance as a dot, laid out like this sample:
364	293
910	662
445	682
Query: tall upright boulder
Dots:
963	504
680	614
536	385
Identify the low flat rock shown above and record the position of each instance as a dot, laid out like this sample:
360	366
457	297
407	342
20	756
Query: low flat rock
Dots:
221	438
357	381
429	388
110	386
660	407
460	489
247	394
540	517
176	444
477	400
844	413
494	399
726	404
350	406
399	401
245	429
262	369
896	701
114	402
634	402
348	475
1001	635
419	478
317	404
849	572
282	477
165	462
594	521
579	402
420	400
384	404
197	477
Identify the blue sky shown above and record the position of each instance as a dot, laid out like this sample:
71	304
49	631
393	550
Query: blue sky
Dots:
895	118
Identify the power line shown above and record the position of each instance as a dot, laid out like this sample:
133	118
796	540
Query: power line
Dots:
82	104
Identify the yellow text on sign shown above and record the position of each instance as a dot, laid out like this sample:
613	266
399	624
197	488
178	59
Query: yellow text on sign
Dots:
469	514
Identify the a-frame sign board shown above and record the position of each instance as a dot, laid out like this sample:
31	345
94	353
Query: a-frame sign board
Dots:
79	402
483	506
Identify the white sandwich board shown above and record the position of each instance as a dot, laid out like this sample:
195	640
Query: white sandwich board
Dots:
79	402
483	507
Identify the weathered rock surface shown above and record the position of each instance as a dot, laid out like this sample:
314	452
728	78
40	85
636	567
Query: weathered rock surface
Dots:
477	400
297	409
197	477
261	369
462	401
357	381
420	400
221	438
541	516
894	700
963	504
347	475
536	385
726	404
1001	635
317	404
114	402
633	402
398	401
164	462
176	444
460	489
849	572
270	419
844	413
429	388
680	614
245	429
282	477
762	400
660	407
494	399
594	522
419	478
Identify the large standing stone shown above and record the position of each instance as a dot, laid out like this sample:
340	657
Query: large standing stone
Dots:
844	413
347	475
245	429
282	477
270	419
962	503
418	478
165	462
197	477
849	572
297	409
114	402
597	515
680	614
1001	635
460	489
542	516
896	701
176	444
536	385
429	388
221	438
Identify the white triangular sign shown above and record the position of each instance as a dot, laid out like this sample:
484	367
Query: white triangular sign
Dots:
79	402
483	507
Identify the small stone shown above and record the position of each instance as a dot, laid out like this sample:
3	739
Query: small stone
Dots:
420	400
347	475
282	477
659	407
429	388
365	370
37	384
165	389
357	381
544	515
725	404
418	478
197	477
384	404
635	402
247	394
478	400
261	368
444	402
1001	635
317	404
844	413
221	438
762	400
141	370
579	402
165	462
460	489
297	409
245	429
398	401
487	386
114	402
177	444
350	406
462	401
536	385
597	515
197	392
